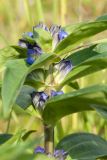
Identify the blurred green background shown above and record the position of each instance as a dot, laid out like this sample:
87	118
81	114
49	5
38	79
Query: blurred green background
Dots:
18	16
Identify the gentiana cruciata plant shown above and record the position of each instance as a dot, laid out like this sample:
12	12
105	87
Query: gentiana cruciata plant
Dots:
41	74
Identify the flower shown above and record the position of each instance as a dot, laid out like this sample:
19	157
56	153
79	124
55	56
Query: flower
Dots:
62	34
30	34
60	154
39	99
55	93
32	52
56	32
39	150
41	26
62	69
22	43
34	49
30	60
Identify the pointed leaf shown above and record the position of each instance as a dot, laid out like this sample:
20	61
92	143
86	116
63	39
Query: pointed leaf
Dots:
14	78
77	101
81	33
24	97
84	146
4	138
86	65
6	54
102	18
43	38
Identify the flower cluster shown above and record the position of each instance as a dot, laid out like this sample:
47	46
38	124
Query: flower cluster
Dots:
60	69
58	154
33	49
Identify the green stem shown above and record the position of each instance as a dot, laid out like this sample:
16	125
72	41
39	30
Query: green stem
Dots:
49	138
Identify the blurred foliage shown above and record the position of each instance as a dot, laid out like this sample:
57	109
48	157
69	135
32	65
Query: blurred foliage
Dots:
16	17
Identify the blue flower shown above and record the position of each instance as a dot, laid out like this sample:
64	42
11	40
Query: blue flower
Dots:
60	154
30	60
62	34
39	150
62	69
58	34
32	52
30	56
39	99
30	34
55	93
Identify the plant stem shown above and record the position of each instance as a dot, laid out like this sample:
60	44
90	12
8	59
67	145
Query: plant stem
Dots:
48	138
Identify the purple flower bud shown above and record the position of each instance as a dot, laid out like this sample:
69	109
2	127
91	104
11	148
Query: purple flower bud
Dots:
35	47
42	26
22	43
30	60
54	29
60	154
39	150
62	34
30	56
30	34
32	52
62	69
54	93
38	50
39	99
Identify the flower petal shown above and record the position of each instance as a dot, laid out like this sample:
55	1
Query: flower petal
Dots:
42	26
39	150
62	69
39	99
62	34
22	43
30	60
55	93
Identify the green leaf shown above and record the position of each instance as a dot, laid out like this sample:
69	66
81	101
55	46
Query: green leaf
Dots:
36	78
6	54
72	27
13	80
74	85
77	101
84	146
27	134
18	149
22	51
14	77
43	38
101	111
24	98
96	62
82	55
4	138
81	33
28	38
102	18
